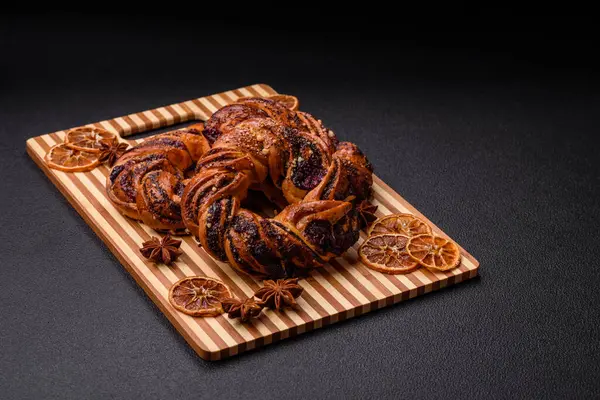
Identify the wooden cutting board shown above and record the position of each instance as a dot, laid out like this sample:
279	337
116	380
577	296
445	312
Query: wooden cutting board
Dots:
343	289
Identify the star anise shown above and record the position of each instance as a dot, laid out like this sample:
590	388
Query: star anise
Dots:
366	213
279	294
165	250
242	309
111	150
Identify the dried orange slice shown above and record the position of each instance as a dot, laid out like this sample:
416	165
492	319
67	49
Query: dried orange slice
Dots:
88	138
434	252
199	296
387	253
66	159
404	224
290	102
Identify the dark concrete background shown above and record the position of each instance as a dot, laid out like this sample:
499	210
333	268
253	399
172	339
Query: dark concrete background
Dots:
489	134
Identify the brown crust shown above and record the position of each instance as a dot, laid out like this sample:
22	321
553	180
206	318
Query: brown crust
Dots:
158	204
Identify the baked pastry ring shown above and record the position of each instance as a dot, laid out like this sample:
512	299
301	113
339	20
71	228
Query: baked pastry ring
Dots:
198	178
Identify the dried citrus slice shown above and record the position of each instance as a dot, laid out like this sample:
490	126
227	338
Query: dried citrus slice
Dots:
88	138
199	296
290	102
66	159
434	252
387	253
405	224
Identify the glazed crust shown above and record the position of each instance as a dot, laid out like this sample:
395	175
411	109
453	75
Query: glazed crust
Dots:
146	183
254	144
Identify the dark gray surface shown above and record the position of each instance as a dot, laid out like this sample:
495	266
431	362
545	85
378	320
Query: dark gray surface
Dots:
495	149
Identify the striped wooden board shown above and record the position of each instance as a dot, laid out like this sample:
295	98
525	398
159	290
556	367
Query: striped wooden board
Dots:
343	289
